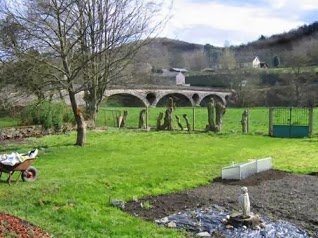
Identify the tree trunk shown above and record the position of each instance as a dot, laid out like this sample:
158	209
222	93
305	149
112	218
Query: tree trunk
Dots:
124	119
211	126
167	121
219	112
187	121
179	123
244	122
91	106
159	118
79	119
142	123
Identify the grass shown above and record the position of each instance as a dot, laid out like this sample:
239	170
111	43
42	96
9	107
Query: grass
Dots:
197	117
72	196
258	118
8	122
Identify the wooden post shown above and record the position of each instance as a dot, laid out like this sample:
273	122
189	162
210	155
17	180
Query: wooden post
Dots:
311	121
105	115
193	118
146	118
270	122
248	121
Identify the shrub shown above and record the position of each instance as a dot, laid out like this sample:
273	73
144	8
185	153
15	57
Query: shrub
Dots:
48	114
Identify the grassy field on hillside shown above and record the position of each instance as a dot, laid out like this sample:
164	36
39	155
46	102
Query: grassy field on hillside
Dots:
72	195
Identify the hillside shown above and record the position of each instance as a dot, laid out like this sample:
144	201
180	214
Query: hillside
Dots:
289	80
166	53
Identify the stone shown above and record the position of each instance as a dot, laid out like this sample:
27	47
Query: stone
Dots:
219	208
162	220
118	203
203	234
172	224
262	225
229	226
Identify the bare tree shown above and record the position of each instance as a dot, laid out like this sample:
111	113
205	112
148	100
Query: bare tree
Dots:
87	43
228	60
300	75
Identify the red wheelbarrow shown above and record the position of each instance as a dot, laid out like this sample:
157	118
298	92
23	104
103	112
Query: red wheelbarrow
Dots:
28	173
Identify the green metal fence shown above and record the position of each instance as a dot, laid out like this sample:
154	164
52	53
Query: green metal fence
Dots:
291	122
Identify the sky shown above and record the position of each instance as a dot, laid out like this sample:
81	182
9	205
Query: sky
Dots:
234	22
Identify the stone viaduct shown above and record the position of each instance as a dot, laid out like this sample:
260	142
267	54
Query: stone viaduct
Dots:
151	96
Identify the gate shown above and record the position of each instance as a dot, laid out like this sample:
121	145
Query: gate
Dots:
290	122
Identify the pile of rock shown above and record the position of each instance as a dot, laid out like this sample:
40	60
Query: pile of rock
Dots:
20	132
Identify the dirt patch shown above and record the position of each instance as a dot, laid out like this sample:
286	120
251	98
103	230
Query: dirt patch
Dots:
12	226
275	194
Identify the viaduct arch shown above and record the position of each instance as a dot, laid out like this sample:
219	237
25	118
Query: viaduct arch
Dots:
151	97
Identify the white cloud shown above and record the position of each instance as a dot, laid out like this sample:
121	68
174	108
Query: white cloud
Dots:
243	22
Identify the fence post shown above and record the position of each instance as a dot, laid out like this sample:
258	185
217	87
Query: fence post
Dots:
270	122
311	121
146	117
193	119
248	121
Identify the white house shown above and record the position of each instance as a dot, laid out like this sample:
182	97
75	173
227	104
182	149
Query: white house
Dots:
180	79
256	62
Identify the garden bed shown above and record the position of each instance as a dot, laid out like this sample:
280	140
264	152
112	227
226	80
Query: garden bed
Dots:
274	194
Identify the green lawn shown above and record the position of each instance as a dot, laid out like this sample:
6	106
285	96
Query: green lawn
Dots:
8	122
258	118
72	195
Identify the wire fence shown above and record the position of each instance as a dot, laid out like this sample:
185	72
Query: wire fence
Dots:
197	116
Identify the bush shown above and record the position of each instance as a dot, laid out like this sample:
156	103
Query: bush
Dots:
48	114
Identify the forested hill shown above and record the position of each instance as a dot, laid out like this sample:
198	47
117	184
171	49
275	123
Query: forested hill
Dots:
165	53
304	32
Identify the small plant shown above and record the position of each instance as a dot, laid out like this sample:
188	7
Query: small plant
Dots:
146	205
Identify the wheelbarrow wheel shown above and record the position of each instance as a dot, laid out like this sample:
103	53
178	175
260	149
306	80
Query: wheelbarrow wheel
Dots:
30	174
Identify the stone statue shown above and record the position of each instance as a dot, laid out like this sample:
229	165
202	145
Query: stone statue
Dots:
244	202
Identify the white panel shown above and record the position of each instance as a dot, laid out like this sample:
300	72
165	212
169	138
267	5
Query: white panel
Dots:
232	172
264	164
248	169
243	170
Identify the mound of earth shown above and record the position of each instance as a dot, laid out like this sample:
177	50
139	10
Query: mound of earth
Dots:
12	226
275	194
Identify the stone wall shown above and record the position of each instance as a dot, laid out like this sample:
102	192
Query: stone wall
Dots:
20	132
37	130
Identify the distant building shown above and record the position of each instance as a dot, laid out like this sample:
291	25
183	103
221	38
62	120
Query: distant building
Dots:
178	70
180	80
256	62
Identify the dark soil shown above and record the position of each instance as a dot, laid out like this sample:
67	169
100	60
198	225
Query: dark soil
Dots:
275	194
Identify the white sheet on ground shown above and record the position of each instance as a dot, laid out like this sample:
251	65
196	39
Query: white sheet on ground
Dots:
16	158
